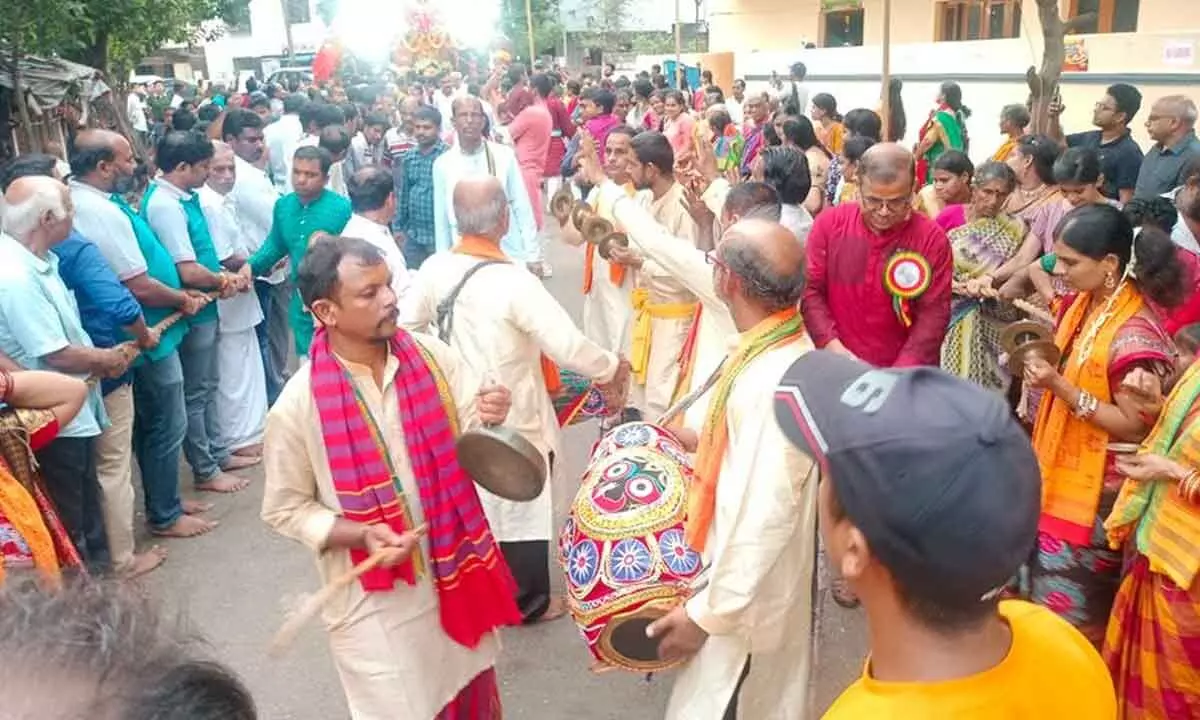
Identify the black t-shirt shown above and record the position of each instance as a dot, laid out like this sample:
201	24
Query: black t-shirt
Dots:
1120	160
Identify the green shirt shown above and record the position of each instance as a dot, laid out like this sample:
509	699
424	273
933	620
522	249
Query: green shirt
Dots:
292	226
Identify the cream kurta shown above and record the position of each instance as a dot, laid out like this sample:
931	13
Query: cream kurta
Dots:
667	335
391	653
761	546
607	308
685	263
504	319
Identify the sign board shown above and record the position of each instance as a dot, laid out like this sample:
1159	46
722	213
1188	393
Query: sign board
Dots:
1179	52
1075	57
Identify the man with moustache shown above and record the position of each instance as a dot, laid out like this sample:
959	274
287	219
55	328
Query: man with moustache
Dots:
415	636
102	166
415	222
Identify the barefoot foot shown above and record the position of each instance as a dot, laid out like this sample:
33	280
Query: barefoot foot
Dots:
255	451
556	609
196	507
185	527
224	483
239	462
143	563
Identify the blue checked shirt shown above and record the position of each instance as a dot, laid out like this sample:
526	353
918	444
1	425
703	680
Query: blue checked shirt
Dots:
415	197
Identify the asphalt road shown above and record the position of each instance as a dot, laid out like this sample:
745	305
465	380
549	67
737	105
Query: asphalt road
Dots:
234	585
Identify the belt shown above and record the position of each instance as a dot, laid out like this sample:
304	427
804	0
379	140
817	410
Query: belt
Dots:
644	312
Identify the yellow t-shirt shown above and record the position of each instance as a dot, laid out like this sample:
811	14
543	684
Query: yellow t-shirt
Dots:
1050	672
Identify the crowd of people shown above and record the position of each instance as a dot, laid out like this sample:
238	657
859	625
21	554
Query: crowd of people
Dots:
827	304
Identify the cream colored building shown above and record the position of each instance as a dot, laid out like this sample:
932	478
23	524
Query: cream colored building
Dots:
984	45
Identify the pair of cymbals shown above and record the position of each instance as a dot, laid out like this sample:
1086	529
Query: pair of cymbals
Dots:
561	204
1026	339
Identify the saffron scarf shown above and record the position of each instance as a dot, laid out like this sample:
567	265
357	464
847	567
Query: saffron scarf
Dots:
616	273
474	587
485	249
1072	451
20	510
687	360
1005	150
1167	526
779	329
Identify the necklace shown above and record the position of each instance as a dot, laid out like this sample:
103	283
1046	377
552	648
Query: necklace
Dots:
1088	339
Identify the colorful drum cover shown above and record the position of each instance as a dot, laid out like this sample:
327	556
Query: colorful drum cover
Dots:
622	547
578	401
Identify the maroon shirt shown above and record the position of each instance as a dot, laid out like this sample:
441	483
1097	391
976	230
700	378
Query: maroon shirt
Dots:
846	298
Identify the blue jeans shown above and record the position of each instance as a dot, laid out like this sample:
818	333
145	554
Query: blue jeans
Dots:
273	338
198	355
160	423
415	254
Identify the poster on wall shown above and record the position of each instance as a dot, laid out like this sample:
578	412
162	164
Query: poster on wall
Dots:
1179	52
1075	57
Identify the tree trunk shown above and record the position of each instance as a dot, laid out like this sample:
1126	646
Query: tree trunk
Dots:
96	55
1043	83
35	141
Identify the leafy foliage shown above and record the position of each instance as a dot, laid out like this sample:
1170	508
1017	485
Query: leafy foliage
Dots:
547	28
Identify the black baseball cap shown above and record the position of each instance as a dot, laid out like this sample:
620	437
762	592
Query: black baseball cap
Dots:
932	469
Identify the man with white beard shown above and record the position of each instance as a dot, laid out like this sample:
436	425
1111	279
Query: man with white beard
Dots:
242	392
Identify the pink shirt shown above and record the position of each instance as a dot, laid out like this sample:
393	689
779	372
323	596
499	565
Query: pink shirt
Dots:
679	133
530	131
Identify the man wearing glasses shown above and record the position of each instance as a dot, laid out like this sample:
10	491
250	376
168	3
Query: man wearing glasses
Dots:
878	274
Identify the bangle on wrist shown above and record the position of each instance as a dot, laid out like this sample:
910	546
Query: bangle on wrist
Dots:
1086	405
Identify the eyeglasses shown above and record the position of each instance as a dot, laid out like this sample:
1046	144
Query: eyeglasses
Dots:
896	205
711	258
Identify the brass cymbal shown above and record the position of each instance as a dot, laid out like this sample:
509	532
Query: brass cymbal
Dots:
608	241
561	204
580	211
595	228
1024	331
1045	349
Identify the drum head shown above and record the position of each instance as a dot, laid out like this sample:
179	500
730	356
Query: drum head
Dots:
503	463
624	640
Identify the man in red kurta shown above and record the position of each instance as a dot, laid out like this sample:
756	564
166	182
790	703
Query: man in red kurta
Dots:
878	273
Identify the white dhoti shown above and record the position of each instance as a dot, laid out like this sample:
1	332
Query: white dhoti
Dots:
242	391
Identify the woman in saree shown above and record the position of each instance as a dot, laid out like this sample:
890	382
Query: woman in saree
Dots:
827	122
859	122
798	132
1155	621
1105	333
33	406
946	129
728	143
982	244
951	185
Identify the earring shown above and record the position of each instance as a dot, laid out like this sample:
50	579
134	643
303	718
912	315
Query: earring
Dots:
1110	281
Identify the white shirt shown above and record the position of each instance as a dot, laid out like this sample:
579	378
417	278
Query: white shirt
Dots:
254	197
166	216
98	219
176	101
445	105
736	113
381	237
283	137
135	109
797	219
520	244
1181	234
242	311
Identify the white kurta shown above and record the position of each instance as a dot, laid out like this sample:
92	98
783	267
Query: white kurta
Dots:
607	308
392	655
504	319
381	237
667	334
761	548
242	392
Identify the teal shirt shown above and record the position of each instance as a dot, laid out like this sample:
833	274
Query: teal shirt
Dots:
293	224
198	236
160	267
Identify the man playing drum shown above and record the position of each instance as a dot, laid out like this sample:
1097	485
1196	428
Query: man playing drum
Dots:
360	460
505	323
752	509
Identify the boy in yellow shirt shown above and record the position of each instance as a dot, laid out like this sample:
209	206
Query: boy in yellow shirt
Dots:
928	503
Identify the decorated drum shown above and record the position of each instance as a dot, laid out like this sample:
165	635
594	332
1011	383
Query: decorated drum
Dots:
622	547
578	400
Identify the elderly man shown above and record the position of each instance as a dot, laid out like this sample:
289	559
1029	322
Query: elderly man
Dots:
504	322
474	156
109	314
241	396
255	196
663	306
373	197
752	507
102	166
172	209
40	329
878	273
310	209
1172	127
416	635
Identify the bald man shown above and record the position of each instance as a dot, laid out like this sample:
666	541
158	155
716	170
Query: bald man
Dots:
503	322
1172	127
474	156
878	273
752	508
102	166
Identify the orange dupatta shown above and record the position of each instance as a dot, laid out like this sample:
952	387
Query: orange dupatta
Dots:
1005	150
616	273
18	507
1072	451
783	327
480	247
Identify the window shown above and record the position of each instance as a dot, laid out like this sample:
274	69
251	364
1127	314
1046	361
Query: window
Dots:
1107	16
978	19
297	11
842	28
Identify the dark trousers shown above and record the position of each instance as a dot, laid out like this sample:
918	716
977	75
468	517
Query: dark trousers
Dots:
732	708
68	468
529	562
415	254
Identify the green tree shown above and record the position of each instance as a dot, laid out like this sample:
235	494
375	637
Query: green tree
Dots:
547	28
327	10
